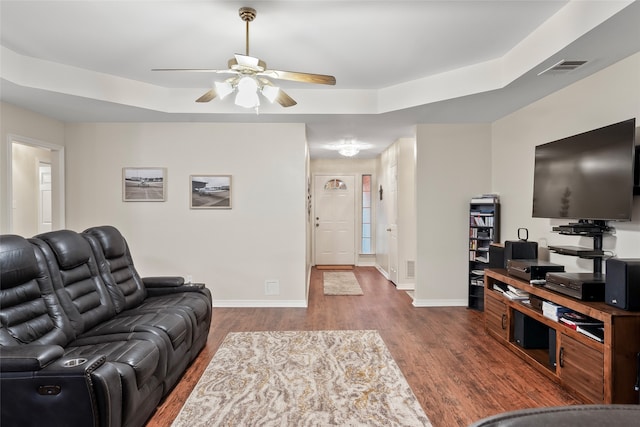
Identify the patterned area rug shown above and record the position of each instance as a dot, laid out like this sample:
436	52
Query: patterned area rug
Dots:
315	378
341	283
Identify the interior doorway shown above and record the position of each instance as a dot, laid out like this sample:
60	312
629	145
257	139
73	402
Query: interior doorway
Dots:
36	186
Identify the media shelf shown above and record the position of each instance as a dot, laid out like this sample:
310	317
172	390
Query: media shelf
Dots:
484	221
579	251
594	229
595	372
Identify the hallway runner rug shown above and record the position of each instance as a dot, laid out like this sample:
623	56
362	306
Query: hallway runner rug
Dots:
306	378
341	283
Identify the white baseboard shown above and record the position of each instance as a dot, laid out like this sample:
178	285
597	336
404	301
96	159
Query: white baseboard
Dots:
381	270
243	303
439	302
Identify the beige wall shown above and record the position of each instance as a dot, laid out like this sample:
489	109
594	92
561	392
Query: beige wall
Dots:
233	251
397	213
453	164
607	97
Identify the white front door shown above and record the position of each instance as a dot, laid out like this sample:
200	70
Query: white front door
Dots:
334	220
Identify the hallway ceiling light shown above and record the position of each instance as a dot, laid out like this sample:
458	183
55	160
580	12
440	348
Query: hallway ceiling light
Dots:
348	147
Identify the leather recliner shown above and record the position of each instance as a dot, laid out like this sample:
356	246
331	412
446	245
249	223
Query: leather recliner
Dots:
72	352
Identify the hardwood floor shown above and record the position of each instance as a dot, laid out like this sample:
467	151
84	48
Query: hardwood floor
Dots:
458	373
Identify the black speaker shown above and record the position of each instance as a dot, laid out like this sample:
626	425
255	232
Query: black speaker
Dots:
622	283
520	249
528	332
496	256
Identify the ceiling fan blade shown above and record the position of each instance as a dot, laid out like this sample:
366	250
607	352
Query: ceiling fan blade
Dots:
207	96
197	70
284	99
300	77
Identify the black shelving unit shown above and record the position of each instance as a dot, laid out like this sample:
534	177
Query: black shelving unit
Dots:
484	229
593	229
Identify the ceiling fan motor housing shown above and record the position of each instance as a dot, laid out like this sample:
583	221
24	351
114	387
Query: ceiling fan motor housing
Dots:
247	14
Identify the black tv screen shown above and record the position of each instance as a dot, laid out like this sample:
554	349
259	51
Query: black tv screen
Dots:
586	176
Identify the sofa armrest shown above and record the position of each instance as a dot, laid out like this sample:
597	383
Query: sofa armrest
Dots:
25	358
163	282
68	391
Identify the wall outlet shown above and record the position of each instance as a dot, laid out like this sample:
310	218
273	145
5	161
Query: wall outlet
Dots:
272	287
188	279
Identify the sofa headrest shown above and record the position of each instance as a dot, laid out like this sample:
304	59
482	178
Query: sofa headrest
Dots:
111	240
18	262
69	247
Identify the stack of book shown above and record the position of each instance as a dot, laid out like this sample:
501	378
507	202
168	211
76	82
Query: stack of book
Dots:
553	311
514	293
586	325
511	292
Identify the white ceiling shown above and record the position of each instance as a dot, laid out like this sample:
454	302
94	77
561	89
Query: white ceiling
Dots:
397	63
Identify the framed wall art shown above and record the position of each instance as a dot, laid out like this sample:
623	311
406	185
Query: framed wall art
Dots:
144	184
210	191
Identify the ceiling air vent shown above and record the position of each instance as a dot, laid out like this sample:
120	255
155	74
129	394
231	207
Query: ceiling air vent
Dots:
563	66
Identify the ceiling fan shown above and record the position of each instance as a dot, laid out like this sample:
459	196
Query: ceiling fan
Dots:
250	76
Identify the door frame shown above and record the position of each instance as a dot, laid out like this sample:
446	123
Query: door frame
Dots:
57	176
356	197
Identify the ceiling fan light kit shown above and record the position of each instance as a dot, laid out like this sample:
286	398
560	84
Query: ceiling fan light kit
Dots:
250	77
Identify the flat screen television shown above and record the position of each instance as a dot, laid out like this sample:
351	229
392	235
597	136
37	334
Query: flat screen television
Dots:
589	176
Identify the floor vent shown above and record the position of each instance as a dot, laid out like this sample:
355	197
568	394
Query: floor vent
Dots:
563	66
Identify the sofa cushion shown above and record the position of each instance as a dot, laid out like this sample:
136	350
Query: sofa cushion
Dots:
141	355
77	283
114	263
18	261
174	326
30	311
69	248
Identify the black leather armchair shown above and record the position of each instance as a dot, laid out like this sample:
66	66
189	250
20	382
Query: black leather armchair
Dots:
74	350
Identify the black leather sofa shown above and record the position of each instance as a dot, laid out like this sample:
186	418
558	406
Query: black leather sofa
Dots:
84	340
566	416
